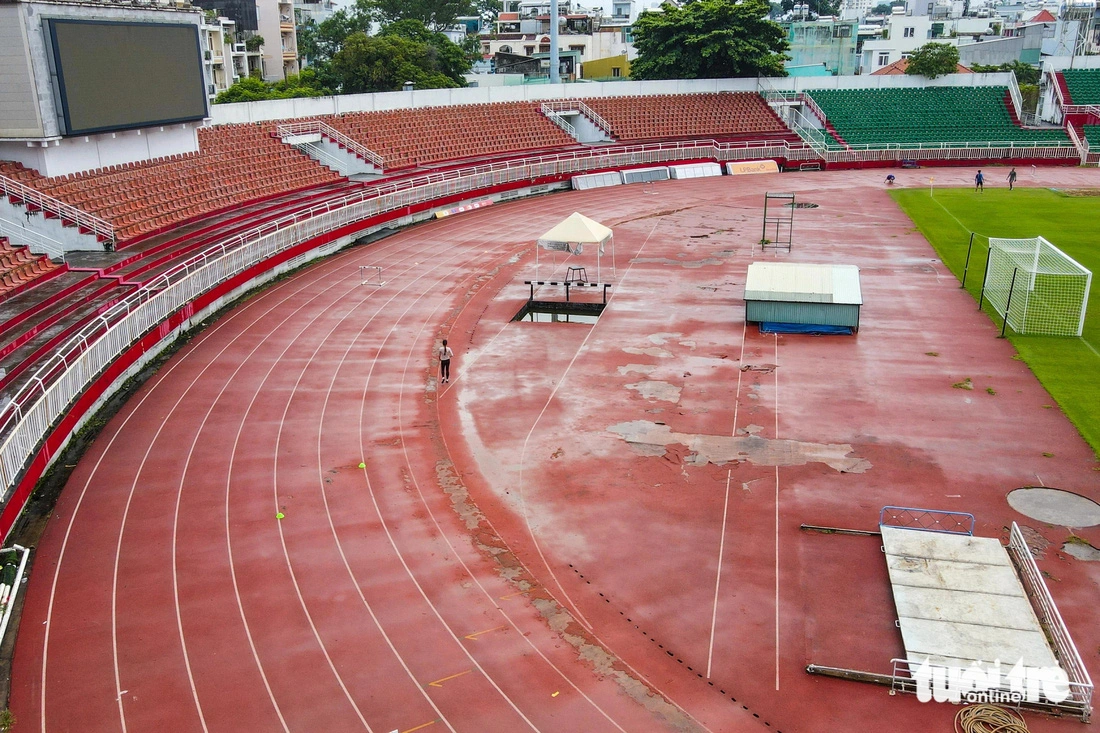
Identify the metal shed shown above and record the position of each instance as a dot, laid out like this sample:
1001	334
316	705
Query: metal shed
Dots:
803	294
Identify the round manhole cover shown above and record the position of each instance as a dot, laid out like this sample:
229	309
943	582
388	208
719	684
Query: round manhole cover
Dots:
1055	506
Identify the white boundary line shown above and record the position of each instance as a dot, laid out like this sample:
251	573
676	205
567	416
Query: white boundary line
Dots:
718	577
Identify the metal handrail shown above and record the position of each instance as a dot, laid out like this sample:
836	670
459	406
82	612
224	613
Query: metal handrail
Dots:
1080	141
580	106
287	129
53	249
98	227
47	395
34	408
1017	100
555	116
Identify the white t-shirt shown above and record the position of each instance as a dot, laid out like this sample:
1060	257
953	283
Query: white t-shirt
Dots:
445	353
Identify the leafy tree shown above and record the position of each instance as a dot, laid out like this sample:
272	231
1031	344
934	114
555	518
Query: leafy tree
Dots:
1025	73
887	8
253	89
816	7
708	39
435	14
487	10
384	63
443	55
934	59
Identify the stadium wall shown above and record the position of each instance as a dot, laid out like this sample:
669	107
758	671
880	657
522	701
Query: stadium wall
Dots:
286	109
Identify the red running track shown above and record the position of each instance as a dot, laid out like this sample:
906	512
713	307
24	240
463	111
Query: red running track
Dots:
491	554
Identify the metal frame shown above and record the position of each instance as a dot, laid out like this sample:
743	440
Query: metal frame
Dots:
927	520
788	219
1079	701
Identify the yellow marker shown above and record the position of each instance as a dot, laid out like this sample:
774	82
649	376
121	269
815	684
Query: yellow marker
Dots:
280	515
555	694
439	683
419	727
479	633
362	465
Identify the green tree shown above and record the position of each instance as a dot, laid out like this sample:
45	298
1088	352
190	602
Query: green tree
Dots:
708	39
934	59
253	89
443	55
887	8
434	14
1025	73
384	63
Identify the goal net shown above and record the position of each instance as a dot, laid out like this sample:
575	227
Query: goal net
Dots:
1050	290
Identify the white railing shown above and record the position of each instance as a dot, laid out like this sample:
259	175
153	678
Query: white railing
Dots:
1069	659
1017	100
555	116
82	219
809	102
47	395
1080	141
325	158
584	109
307	127
22	234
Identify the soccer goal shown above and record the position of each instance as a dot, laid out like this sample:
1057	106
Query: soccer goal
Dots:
1036	287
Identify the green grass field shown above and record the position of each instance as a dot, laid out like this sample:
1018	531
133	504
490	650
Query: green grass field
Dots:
1068	367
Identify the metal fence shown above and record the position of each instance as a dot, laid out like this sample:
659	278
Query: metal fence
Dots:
1079	701
44	399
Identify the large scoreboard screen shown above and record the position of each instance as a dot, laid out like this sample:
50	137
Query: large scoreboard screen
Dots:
117	76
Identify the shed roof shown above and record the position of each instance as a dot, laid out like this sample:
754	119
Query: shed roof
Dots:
803	283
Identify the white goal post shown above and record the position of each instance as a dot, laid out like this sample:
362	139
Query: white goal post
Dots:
1036	287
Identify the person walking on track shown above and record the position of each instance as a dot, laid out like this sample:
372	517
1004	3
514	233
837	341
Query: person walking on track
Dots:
445	356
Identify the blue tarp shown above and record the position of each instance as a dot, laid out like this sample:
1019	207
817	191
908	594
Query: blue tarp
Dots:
816	330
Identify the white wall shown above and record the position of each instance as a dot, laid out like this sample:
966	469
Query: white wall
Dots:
283	109
62	156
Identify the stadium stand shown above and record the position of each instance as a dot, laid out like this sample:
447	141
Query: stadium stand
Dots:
1083	85
721	116
235	164
1092	135
19	269
926	115
428	135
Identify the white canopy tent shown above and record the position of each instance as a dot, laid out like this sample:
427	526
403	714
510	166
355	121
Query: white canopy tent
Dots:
572	234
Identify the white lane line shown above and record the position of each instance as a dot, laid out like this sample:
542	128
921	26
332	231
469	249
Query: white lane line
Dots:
776	372
444	535
718	577
393	542
206	335
282	539
523	453
740	371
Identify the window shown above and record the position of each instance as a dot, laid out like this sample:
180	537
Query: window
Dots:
577	48
616	71
910	32
506	49
842	31
883	58
529	49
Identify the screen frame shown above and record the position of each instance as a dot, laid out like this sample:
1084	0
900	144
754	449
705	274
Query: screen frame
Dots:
55	57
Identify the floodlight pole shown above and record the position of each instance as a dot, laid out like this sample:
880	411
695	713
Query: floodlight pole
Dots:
1008	305
555	77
